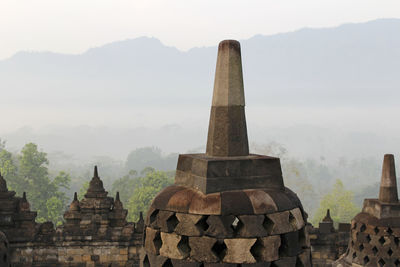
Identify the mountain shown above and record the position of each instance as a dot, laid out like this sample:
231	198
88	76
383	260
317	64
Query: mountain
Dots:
350	65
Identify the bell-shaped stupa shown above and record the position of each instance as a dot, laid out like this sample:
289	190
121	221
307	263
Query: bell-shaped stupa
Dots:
227	207
375	231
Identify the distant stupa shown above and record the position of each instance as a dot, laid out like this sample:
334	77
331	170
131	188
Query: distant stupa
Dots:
375	232
227	207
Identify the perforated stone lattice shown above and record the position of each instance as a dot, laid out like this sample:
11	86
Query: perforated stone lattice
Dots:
278	238
374	245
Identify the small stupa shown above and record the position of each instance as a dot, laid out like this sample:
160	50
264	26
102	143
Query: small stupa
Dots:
227	207
375	232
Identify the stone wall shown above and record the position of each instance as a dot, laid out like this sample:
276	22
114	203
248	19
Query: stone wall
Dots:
95	232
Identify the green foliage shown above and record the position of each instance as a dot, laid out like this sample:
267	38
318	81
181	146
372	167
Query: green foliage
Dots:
28	172
340	202
83	190
125	186
146	189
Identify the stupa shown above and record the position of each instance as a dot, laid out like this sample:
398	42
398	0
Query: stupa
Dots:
375	232
227	207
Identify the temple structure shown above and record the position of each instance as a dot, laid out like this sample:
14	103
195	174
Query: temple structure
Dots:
227	207
328	242
375	232
95	232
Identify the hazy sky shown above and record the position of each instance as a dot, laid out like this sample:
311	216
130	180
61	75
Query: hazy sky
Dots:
72	26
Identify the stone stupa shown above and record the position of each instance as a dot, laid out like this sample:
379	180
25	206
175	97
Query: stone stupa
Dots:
227	207
375	231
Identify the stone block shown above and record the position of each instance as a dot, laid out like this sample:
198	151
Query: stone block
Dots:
220	226
251	226
238	250
174	246
191	224
202	249
266	249
280	222
296	219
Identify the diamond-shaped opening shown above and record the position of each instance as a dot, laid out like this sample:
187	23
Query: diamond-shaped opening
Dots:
354	226
389	231
352	243
157	242
396	241
381	240
390	252
361	247
172	222
146	262
268	224
363	228
219	249
397	262
236	224
366	259
381	262
376	230
202	224
375	250
153	216
256	250
183	245
354	255
168	263
368	237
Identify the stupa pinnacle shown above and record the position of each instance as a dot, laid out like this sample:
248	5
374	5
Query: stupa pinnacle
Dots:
388	188
227	132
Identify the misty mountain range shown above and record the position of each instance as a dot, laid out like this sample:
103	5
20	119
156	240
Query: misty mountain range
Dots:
350	65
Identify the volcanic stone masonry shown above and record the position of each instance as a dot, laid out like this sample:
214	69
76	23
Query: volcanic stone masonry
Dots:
375	232
227	207
95	232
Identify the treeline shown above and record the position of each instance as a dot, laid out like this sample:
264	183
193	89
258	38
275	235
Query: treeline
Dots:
50	184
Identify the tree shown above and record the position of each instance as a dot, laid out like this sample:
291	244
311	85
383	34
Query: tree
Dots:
45	195
340	202
125	186
83	190
146	189
9	169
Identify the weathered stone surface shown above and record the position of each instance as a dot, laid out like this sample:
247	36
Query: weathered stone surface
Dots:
191	224
174	246
281	222
238	250
266	249
220	226
251	226
202	249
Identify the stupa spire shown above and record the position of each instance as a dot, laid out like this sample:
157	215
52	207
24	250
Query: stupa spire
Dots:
327	216
227	132
95	185
388	189
3	184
